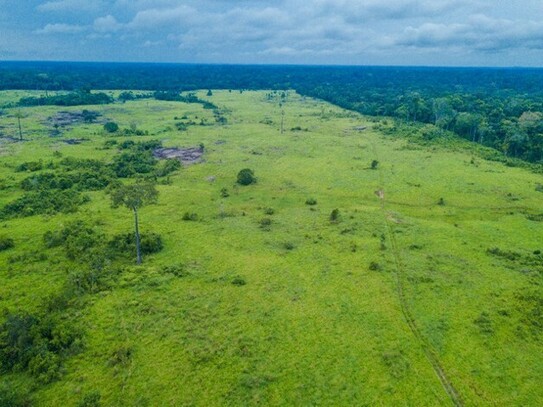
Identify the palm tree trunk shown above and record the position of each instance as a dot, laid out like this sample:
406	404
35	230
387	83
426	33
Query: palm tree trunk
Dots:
138	246
20	130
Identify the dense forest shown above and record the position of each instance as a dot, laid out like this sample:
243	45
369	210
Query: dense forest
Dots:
498	108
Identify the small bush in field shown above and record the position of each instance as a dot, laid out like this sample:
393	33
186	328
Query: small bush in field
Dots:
190	216
246	177
6	243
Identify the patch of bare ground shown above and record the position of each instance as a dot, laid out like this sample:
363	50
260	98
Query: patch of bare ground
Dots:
65	119
187	156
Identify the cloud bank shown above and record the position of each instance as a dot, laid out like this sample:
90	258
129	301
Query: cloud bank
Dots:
412	32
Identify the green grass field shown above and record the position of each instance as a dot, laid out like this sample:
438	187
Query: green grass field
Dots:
303	310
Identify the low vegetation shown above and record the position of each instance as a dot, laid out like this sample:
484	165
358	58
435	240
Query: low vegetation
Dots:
345	264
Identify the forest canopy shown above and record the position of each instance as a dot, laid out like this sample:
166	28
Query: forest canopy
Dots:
495	107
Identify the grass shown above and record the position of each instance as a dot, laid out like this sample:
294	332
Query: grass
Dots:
296	312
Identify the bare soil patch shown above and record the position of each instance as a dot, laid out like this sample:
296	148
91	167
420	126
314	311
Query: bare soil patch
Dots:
65	119
187	156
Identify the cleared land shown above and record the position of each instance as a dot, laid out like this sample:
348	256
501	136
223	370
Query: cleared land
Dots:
264	299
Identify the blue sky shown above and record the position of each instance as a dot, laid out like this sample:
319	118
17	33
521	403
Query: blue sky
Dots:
359	32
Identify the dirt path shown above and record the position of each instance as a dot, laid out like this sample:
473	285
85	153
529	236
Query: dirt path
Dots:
427	348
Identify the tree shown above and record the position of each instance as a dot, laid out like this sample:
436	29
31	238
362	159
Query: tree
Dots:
443	112
246	177
111	127
20	115
134	197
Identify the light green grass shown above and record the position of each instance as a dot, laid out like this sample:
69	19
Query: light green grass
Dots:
313	325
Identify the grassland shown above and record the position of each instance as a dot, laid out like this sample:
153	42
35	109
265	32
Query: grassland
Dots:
299	309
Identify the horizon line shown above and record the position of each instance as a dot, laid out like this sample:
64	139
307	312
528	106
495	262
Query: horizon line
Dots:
256	64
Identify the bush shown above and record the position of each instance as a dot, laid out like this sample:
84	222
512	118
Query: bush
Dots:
35	344
45	366
190	216
125	244
289	246
10	397
134	162
6	243
334	215
91	399
178	270
224	193
111	127
30	166
374	164
265	223
85	180
239	281
246	177
44	202
311	201
167	167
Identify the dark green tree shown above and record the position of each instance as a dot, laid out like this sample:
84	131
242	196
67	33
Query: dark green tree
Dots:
246	177
111	127
134	197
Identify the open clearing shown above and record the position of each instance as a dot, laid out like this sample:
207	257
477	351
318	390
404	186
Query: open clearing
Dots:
301	309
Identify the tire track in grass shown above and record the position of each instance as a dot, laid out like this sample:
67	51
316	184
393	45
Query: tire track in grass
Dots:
427	348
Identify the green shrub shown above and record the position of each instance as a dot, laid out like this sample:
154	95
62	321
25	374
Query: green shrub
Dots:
91	399
167	167
178	270
190	216
85	180
111	127
121	357
6	243
334	215
127	144
30	166
44	202
35	344
374	164
133	162
484	323
11	397
265	223
224	193
125	244
269	211
45	366
246	177
289	246
311	201
239	281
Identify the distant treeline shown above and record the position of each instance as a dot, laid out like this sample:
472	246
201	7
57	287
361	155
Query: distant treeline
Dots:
80	98
499	108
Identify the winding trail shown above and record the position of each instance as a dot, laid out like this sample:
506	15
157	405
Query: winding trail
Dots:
427	348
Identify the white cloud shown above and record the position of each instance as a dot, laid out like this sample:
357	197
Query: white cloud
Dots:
60	29
477	33
151	18
315	31
107	24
